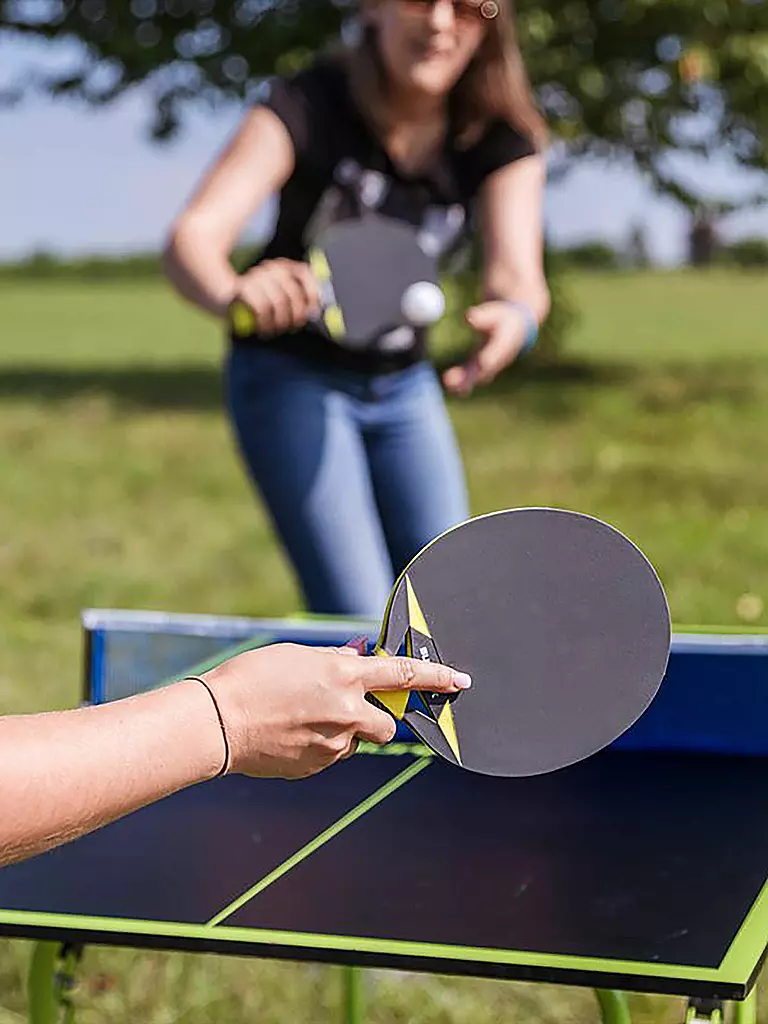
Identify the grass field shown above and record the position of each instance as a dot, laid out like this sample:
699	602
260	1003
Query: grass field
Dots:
121	488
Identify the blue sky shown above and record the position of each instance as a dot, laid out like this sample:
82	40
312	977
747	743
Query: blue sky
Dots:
75	180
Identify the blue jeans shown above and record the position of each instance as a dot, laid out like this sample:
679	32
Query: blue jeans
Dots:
356	472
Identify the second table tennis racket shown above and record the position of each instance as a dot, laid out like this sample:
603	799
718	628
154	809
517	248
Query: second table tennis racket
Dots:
374	279
560	620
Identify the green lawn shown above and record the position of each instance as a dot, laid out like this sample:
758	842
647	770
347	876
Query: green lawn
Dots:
122	489
712	316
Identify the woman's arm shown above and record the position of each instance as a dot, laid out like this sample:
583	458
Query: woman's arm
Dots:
286	711
68	772
256	164
511	224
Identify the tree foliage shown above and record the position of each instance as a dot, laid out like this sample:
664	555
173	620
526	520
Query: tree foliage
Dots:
633	79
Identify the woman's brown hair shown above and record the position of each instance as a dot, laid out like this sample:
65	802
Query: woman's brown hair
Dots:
494	85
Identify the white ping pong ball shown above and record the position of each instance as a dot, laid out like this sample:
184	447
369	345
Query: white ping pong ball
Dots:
423	303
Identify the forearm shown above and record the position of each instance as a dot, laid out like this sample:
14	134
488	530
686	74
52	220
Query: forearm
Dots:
254	166
513	236
66	773
532	289
200	270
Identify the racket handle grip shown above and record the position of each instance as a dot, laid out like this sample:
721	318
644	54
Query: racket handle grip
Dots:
394	701
242	319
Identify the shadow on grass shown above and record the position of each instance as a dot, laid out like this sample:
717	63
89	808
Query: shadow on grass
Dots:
551	390
200	387
561	388
148	387
555	390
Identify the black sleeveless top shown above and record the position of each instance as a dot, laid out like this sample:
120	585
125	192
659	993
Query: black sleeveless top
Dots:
341	168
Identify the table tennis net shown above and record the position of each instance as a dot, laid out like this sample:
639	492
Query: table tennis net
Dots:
714	698
129	652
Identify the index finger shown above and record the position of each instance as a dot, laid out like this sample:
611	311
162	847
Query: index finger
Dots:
497	353
396	673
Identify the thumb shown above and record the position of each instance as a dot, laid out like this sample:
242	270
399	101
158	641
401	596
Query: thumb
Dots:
460	380
483	317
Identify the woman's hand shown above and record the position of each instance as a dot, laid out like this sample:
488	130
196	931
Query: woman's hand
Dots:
504	328
282	295
289	711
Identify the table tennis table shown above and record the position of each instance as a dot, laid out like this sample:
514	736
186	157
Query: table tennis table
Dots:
643	868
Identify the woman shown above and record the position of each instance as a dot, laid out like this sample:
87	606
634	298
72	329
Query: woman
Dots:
426	118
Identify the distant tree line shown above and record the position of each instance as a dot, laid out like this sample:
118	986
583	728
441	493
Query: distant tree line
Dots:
705	248
45	266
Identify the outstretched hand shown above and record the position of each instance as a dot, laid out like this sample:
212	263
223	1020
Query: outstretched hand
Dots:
289	711
503	330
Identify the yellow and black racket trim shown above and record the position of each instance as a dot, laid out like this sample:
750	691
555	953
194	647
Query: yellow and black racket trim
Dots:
332	316
417	709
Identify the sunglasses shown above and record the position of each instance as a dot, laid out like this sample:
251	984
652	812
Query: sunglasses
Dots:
463	10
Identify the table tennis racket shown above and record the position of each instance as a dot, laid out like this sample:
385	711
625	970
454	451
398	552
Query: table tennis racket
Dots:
560	620
374	279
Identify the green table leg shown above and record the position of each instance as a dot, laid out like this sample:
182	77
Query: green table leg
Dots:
614	1008
353	995
745	1011
50	981
42	999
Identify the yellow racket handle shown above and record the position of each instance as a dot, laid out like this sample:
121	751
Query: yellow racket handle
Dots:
242	319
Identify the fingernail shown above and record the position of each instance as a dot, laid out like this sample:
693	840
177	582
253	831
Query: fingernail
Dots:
463	681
